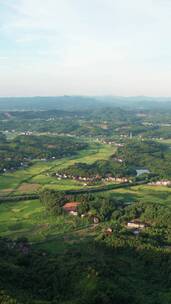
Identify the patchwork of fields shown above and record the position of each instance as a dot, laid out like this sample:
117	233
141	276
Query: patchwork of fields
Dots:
45	231
38	176
28	218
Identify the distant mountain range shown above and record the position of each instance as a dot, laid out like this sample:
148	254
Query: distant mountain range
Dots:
82	103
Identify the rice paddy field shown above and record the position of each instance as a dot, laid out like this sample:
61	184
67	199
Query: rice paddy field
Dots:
29	219
37	176
144	193
45	231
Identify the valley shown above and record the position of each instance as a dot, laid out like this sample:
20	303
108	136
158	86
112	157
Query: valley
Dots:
85	205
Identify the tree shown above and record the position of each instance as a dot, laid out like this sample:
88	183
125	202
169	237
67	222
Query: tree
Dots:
53	200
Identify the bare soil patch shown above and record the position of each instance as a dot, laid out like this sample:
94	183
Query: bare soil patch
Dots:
29	187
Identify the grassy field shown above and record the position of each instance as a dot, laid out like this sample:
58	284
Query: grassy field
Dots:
29	219
164	141
38	173
46	232
144	193
7	182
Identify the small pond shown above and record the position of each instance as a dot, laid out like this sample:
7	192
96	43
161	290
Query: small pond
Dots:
142	171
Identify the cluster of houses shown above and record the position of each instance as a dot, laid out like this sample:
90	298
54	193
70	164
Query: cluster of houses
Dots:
136	225
26	133
116	179
92	178
107	142
162	182
20	165
71	208
111	143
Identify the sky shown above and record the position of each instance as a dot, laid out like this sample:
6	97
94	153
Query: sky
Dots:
85	47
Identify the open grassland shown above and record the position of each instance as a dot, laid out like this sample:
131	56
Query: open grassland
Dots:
38	176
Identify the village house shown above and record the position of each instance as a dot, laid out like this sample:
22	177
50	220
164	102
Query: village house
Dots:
137	224
71	208
119	160
109	231
119	145
116	179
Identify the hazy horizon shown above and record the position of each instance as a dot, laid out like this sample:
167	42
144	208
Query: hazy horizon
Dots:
90	48
88	96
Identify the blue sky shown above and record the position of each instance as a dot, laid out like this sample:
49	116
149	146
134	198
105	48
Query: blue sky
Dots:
85	47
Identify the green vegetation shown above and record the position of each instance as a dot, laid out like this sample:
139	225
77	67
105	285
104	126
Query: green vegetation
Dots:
21	150
53	201
149	154
118	267
100	169
39	173
111	242
29	219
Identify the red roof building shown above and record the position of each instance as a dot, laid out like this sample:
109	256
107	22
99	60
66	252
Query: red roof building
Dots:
71	206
